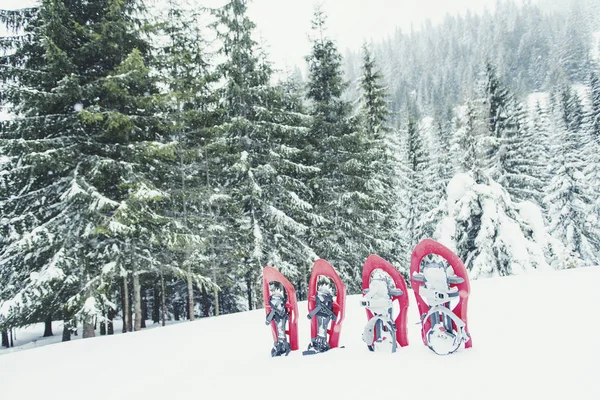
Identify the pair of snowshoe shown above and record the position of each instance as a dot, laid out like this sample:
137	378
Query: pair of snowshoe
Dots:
324	308
441	290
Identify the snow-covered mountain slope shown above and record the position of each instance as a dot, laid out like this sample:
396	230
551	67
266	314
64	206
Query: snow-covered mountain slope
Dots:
534	336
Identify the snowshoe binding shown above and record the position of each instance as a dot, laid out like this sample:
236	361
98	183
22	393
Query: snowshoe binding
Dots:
382	285
279	314
441	289
325	309
282	311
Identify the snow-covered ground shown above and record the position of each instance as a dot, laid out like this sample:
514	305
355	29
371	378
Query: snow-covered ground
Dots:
534	336
32	336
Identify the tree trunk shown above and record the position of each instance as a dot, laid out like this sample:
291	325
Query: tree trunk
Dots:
249	290
155	305
103	328
137	302
48	326
88	327
216	294
66	336
12	342
144	307
5	339
67	322
125	304
111	316
163	299
216	302
176	311
130	322
190	289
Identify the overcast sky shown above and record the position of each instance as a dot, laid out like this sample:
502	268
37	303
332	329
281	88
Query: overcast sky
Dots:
285	24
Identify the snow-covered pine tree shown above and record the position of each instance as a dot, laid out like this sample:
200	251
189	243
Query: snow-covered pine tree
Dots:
342	197
192	209
84	102
540	142
469	132
568	196
387	213
402	210
490	233
525	169
592	156
573	44
418	166
265	176
436	174
509	153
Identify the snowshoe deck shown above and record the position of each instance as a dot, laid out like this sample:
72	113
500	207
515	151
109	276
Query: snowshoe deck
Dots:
441	322
282	312
384	321
324	309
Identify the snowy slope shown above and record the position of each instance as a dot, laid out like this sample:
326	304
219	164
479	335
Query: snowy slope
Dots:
533	337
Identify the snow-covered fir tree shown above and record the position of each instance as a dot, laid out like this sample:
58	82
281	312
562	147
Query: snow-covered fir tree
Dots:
266	174
539	142
568	195
437	172
191	208
508	155
469	133
490	233
79	213
382	182
344	195
592	156
417	147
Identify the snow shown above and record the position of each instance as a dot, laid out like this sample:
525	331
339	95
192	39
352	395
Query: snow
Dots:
458	186
538	98
73	191
50	272
146	193
595	52
502	230
514	354
582	92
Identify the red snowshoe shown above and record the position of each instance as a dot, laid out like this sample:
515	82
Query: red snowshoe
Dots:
382	284
325	307
442	293
281	307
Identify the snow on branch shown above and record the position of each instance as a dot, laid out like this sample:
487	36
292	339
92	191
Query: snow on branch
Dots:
282	221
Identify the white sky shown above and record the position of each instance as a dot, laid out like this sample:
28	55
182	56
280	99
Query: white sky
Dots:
285	24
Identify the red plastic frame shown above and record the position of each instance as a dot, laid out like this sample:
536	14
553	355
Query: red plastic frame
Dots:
271	274
429	246
323	268
374	262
